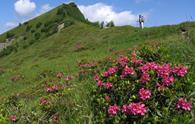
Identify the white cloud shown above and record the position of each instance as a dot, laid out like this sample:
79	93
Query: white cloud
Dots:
24	7
11	24
45	8
102	12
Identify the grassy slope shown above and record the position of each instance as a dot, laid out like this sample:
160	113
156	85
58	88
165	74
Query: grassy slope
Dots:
51	16
62	51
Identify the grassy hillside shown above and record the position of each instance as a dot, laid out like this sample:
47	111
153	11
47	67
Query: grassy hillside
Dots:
26	71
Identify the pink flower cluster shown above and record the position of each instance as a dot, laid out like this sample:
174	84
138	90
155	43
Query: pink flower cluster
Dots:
134	58
87	65
123	60
110	71
96	77
99	83
161	74
131	109
59	75
144	94
52	89
108	85
107	98
43	101
13	118
180	71
68	78
145	77
127	71
113	110
55	118
149	66
165	72
134	109
183	104
167	80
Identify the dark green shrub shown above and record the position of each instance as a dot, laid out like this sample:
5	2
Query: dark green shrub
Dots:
10	35
68	23
37	36
28	27
61	11
8	50
25	23
43	29
38	25
72	4
24	38
48	23
32	31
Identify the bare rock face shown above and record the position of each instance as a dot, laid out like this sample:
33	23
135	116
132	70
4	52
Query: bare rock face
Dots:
7	43
60	27
2	45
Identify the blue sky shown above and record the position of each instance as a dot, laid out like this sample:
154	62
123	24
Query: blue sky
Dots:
123	12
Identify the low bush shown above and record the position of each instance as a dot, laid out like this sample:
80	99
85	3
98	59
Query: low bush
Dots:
37	36
28	28
38	25
134	89
68	23
8	50
10	35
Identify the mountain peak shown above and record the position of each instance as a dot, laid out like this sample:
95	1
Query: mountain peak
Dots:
47	23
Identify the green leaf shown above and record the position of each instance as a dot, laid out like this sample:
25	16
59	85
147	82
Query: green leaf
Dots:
192	94
159	113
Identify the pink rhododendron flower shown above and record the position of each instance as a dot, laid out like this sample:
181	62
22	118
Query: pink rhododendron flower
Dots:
13	118
55	118
180	71
112	110
123	60
68	78
96	78
145	77
127	71
99	83
160	87
134	58
134	109
125	109
59	74
144	94
149	66
87	65
106	74
110	71
183	104
51	89
164	70
107	98
167	80
108	85
43	101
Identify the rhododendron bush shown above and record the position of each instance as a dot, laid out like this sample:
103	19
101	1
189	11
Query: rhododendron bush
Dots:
137	89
